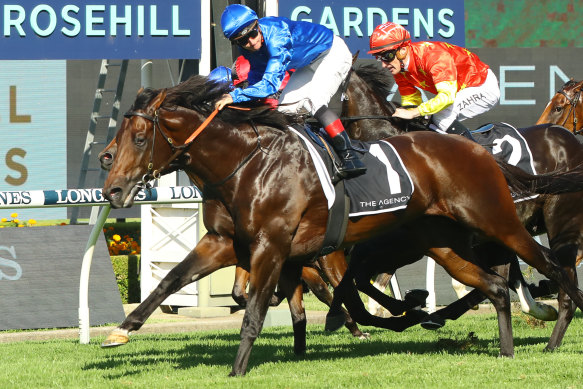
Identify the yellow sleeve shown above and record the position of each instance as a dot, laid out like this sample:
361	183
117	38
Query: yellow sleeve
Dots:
446	91
413	99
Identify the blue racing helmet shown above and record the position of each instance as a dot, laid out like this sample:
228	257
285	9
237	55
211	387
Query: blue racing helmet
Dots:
235	19
221	74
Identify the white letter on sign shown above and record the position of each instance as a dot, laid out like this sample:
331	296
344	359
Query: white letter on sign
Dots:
16	23
52	20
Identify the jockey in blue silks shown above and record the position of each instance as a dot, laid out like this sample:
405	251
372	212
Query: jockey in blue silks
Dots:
273	45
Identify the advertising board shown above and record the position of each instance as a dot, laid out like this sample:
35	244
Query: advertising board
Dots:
72	29
39	279
355	22
33	130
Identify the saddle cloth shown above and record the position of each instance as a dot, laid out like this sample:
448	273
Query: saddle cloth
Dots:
385	187
504	141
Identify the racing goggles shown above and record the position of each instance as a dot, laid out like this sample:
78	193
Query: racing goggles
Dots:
244	39
387	56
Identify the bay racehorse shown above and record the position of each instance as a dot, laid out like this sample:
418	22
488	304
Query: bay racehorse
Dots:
333	266
566	107
552	147
249	165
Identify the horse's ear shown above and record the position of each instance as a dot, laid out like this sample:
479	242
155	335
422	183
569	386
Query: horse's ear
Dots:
158	100
140	91
355	57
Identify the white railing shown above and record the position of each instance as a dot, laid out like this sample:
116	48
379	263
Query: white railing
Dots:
87	198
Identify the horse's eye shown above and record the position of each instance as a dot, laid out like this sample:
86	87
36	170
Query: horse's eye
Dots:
140	140
558	108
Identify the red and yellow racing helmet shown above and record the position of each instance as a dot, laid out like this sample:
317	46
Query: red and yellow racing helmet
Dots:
388	36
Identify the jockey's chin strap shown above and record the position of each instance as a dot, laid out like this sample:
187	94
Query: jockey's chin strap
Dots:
573	109
152	173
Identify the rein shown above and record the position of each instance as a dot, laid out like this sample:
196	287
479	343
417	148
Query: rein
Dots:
572	109
152	173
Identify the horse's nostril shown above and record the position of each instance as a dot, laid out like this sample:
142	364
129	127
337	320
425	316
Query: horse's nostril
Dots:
114	192
107	157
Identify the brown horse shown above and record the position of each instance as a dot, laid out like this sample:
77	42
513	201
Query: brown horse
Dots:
333	266
250	166
566	107
560	216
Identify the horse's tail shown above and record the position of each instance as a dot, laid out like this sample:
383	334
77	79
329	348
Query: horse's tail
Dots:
555	182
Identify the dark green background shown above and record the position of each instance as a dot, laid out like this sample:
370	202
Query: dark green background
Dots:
522	23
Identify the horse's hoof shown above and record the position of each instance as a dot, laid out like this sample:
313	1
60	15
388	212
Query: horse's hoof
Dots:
543	312
416	297
116	338
361	335
433	322
334	322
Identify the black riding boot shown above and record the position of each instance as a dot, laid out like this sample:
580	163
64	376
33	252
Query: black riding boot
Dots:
351	165
458	128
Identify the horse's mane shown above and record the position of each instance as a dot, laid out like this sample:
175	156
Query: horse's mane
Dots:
199	94
381	83
376	78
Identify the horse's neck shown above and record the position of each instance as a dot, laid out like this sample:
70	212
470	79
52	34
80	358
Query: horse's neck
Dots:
217	151
362	101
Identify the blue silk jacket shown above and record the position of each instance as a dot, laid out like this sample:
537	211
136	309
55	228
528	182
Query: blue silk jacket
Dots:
286	45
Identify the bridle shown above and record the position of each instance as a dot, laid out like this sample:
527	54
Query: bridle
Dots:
179	150
572	109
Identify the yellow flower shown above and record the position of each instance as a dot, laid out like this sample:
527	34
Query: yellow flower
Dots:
13	215
3	220
116	238
31	221
1	226
16	221
21	225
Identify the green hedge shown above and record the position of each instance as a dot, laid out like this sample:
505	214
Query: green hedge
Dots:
127	275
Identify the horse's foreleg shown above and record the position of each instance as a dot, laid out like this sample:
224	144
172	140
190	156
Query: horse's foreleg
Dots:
291	286
334	266
348	294
380	283
320	289
210	254
266	262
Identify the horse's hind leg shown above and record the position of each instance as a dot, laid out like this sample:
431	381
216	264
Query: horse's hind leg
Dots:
528	304
239	293
291	286
489	283
210	254
543	260
567	308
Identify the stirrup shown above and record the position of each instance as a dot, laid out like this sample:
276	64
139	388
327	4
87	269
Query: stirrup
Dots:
351	168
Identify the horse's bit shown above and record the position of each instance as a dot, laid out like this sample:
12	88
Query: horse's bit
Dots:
572	109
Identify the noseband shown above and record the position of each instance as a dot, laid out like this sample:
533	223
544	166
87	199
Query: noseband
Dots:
573	108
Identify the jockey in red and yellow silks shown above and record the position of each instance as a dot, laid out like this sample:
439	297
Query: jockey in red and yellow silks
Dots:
463	85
